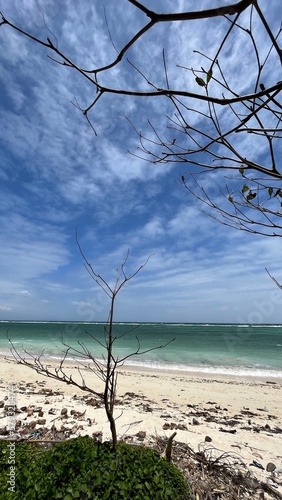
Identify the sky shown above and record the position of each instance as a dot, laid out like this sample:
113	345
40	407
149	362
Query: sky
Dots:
56	176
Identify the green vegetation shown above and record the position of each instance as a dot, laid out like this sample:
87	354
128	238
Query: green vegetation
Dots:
86	469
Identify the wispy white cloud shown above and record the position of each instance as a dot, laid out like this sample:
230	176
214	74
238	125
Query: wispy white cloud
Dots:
55	175
5	308
25	293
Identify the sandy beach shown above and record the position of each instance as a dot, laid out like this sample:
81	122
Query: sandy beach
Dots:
242	416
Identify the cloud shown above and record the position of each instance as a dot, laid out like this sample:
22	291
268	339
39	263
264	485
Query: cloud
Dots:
56	175
5	308
82	304
25	293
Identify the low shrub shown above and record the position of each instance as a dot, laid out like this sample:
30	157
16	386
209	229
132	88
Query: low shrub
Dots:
86	469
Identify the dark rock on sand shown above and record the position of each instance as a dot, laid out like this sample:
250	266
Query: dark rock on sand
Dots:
141	435
270	467
208	439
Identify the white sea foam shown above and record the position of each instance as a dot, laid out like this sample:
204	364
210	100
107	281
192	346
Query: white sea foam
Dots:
241	371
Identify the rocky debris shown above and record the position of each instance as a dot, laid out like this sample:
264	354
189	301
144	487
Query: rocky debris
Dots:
246	411
131	395
93	402
98	435
228	431
141	435
276	430
41	421
213	475
173	425
49	392
261	428
147	408
36	409
31	425
30	410
8	409
270	467
77	414
217	415
139	398
257	464
30	388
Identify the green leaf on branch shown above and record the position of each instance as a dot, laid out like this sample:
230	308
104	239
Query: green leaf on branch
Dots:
209	75
200	81
230	198
270	191
251	196
241	170
245	188
278	193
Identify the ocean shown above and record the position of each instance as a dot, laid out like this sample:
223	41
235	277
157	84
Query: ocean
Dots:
247	350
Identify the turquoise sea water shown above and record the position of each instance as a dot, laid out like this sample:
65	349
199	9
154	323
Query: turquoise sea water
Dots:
210	348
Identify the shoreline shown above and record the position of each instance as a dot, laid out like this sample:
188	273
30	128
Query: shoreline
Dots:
224	371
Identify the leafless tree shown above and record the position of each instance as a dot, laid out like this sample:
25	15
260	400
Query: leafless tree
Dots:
221	125
105	369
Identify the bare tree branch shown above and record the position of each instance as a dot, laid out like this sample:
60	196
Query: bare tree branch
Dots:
199	133
275	281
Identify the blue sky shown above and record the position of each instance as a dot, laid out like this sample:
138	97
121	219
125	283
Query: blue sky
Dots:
56	175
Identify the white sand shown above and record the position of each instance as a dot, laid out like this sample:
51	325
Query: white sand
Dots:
158	398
